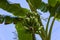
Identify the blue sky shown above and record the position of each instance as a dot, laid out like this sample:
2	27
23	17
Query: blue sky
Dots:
6	30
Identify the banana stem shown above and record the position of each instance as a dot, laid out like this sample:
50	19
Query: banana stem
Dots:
33	34
49	35
47	25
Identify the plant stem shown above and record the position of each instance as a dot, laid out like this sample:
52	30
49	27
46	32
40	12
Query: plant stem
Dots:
31	6
49	35
43	33
47	25
33	34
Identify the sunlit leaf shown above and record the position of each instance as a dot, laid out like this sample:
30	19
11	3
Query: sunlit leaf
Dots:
52	2
58	0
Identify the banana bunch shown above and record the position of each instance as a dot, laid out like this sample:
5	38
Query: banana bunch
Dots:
31	21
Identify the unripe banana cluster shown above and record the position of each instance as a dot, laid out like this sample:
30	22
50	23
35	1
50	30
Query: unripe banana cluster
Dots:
31	21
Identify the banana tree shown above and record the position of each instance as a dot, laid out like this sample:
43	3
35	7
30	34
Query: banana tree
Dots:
28	21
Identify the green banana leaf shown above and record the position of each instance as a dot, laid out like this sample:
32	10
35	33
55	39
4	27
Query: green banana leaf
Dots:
22	35
43	7
15	9
34	4
1	19
52	2
8	20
